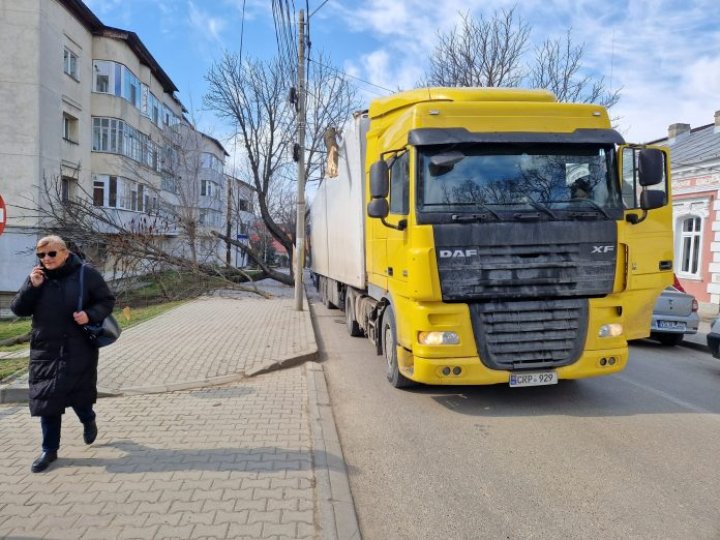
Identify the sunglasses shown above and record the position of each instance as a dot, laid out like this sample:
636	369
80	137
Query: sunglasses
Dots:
43	254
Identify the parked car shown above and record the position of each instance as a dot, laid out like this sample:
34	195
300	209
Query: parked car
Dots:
713	338
675	314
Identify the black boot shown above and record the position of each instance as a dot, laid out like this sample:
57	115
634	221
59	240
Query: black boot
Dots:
44	461
90	432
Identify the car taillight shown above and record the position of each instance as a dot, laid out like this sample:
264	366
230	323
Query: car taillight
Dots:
695	305
677	285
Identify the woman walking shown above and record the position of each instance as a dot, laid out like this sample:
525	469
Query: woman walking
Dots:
63	362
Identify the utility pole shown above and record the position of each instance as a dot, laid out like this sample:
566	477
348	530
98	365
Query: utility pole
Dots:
300	226
228	223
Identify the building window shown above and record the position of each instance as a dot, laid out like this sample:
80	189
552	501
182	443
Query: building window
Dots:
115	136
70	128
103	76
108	191
690	239
65	189
207	188
70	64
212	162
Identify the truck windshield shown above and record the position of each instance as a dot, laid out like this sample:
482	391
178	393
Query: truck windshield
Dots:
557	179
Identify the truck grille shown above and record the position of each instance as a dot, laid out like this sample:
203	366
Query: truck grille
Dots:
494	261
530	334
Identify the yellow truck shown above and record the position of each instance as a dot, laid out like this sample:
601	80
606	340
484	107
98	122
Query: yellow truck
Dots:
487	235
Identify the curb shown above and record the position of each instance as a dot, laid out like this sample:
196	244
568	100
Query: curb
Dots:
338	520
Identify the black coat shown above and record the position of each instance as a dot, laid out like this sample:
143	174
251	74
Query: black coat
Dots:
63	363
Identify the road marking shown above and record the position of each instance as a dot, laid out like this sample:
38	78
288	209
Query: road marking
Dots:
667	396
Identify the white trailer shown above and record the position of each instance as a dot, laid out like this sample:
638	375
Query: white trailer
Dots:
337	214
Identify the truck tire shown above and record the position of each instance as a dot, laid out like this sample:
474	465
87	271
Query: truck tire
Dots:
351	324
389	343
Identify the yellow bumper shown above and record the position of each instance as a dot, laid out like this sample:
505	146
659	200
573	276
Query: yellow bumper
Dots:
471	371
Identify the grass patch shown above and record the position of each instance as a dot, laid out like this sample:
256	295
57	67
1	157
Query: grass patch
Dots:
9	366
14	327
142	314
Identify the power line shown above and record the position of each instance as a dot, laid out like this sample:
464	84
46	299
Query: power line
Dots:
316	9
353	77
242	29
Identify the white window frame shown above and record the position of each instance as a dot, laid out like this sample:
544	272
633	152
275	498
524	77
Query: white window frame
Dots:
207	188
70	128
70	63
691	245
104	68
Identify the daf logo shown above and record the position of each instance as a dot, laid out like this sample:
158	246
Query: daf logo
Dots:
603	249
458	253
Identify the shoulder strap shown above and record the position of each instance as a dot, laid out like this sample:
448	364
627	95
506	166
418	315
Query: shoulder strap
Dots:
82	287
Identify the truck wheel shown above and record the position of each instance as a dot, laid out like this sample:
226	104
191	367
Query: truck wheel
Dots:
351	324
389	342
669	340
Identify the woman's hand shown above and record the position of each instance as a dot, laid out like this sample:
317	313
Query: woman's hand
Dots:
81	317
37	276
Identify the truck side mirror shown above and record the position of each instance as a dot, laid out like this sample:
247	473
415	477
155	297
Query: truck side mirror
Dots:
651	167
378	208
652	198
379	180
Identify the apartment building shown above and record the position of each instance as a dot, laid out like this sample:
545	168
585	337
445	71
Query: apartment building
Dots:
86	111
242	218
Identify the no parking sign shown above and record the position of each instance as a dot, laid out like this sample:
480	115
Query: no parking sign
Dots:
3	215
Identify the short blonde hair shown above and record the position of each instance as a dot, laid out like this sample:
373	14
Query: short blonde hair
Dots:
52	239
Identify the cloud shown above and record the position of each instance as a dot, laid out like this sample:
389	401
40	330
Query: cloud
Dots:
205	24
662	54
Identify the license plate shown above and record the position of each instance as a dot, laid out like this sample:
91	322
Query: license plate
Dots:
672	325
536	378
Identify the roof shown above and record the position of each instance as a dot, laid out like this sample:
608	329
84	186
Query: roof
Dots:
217	143
698	145
97	28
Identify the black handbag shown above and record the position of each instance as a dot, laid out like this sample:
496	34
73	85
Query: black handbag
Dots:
100	334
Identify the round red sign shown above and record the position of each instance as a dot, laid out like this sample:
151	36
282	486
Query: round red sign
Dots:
3	215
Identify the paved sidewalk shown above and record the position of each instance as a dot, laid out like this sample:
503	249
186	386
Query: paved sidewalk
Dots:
191	445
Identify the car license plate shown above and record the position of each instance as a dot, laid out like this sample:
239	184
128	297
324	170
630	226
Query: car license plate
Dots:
536	378
672	325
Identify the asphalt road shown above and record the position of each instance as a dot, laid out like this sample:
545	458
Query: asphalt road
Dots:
635	455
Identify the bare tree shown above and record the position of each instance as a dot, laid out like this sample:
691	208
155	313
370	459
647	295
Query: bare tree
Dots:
480	52
130	244
253	96
558	65
493	52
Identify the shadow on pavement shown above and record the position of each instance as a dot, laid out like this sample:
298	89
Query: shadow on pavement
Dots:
144	459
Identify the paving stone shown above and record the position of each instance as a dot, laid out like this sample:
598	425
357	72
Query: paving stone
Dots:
228	461
210	531
285	529
241	530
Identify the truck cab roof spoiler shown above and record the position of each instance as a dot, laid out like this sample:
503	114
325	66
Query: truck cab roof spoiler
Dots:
429	136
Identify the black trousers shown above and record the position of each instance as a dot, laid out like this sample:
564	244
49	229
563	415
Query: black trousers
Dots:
51	426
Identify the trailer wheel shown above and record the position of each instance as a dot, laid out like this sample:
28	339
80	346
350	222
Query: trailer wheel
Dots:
389	343
351	324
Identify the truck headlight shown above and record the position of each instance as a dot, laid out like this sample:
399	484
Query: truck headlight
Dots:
438	338
611	330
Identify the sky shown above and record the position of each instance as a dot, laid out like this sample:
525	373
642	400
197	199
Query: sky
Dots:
662	55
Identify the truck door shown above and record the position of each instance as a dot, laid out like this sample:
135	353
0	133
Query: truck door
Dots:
397	238
645	237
